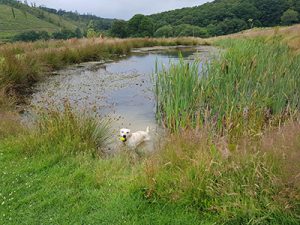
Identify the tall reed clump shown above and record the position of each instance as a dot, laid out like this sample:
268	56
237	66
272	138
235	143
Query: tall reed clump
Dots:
255	84
66	132
177	94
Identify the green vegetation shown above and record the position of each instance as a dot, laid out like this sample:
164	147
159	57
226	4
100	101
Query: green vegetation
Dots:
219	17
290	17
177	94
211	19
253	86
68	132
11	25
54	176
17	19
227	164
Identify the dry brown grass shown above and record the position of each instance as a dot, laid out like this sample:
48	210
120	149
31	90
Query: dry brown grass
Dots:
290	35
285	142
191	169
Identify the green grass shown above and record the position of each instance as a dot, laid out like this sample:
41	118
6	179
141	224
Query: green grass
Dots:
52	189
253	86
186	182
55	172
10	26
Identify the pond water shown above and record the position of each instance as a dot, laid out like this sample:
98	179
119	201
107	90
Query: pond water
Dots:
120	90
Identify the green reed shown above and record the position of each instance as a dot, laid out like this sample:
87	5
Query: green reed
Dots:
254	84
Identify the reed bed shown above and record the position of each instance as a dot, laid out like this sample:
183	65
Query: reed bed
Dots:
177	94
254	85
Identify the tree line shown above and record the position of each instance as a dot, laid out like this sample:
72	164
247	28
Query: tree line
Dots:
219	17
211	19
44	35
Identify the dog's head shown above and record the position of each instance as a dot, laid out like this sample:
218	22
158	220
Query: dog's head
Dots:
124	134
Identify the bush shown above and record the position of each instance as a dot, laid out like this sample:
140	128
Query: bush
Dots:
32	36
290	17
164	31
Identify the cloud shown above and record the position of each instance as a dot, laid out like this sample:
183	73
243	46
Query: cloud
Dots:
120	9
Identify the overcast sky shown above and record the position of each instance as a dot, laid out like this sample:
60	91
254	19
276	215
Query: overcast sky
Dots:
120	9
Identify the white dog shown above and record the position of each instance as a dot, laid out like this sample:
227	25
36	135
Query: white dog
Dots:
132	140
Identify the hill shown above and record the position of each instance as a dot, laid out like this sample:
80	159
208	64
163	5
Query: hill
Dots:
17	18
229	16
13	21
216	18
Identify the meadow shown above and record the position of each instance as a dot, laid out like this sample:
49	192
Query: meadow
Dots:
231	157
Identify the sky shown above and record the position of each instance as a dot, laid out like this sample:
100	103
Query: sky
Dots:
119	9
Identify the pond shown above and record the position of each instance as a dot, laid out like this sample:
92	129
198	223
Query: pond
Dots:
120	90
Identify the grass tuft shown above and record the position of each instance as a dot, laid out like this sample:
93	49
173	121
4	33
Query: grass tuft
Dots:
244	188
67	132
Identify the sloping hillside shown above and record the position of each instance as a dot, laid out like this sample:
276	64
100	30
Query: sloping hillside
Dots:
14	21
219	17
230	16
17	18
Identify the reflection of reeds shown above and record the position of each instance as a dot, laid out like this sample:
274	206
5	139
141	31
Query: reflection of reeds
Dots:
255	84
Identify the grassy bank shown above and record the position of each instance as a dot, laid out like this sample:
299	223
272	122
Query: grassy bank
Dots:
234	161
50	174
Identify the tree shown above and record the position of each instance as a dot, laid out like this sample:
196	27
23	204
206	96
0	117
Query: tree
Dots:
32	36
187	30
119	29
134	24
146	27
78	33
64	34
91	33
289	17
164	31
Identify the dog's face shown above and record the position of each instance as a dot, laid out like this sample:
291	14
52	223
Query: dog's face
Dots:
124	134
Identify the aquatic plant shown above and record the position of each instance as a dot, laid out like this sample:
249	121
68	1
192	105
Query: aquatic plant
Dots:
255	84
177	94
